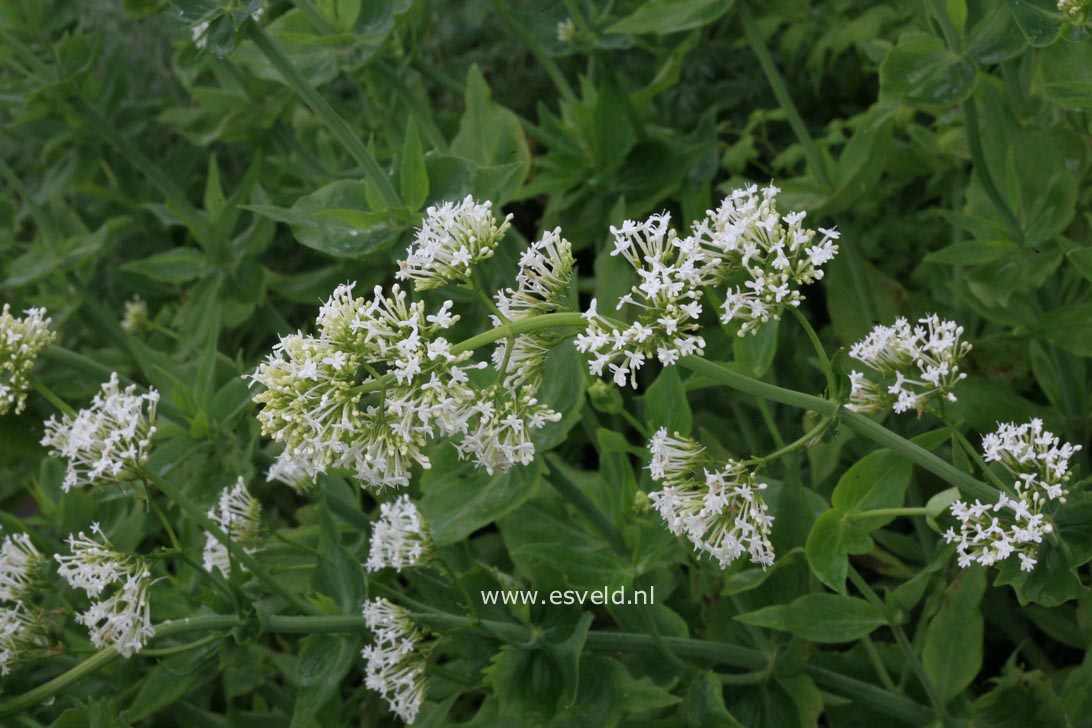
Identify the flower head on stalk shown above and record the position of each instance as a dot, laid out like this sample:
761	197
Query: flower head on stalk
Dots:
666	298
109	440
400	538
908	367
394	665
1038	462
239	516
452	239
135	316
293	474
117	584
21	568
20	632
1073	11
21	339
719	510
764	255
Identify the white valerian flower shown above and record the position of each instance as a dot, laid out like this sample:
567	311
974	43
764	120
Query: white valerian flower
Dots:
500	428
328	415
400	538
720	510
21	567
566	31
290	472
20	631
452	239
666	298
763	255
117	584
1073	11
135	316
1038	462
239	516
108	440
21	339
394	665
909	367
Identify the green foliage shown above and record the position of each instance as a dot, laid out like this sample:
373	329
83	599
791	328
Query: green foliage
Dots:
228	188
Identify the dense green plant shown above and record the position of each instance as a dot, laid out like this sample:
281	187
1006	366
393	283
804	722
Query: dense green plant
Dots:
310	340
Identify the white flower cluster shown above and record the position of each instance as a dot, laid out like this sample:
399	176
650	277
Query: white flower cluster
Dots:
763	257
1039	464
400	538
453	238
135	317
720	511
239	516
1073	11
20	341
394	666
908	366
21	629
117	583
109	439
293	474
329	416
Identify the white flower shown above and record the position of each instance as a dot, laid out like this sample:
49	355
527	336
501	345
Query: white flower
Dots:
666	298
720	511
21	567
117	584
108	440
239	516
774	253
400	538
452	239
21	339
290	472
909	367
1038	462
135	316
393	665
1073	11
20	631
566	31
500	428
328	416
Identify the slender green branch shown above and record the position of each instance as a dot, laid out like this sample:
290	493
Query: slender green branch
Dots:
719	374
198	516
584	504
877	663
536	49
781	91
824	360
325	112
974	455
798	444
888	513
50	396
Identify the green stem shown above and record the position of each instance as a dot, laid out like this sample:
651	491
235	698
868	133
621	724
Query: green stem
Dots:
888	513
584	504
781	92
635	423
792	447
824	360
719	374
974	455
325	112
198	516
166	651
536	49
48	393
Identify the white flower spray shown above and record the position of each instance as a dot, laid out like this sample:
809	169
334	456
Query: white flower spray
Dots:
719	510
117	584
394	665
400	538
1038	462
908	367
21	340
21	627
454	237
239	516
109	440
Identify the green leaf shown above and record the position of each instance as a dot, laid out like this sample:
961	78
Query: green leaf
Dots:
492	137
830	542
1067	328
952	654
1039	20
338	574
1020	699
756	352
608	692
666	405
704	706
324	661
563	390
413	177
662	17
459	498
878	480
214	193
920	69
823	618
335	220
972	253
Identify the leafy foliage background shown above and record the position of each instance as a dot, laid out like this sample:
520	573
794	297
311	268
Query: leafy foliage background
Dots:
956	167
